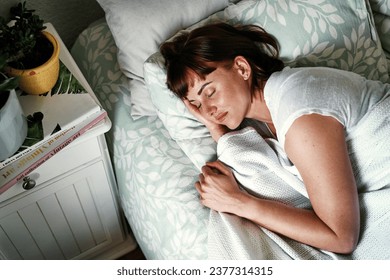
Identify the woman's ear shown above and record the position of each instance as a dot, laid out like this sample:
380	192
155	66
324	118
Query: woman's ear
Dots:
243	67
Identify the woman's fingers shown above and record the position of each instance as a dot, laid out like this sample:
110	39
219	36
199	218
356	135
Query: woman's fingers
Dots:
201	178
192	108
198	187
219	167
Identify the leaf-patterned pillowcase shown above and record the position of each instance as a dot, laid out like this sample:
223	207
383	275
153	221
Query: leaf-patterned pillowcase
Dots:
332	33
381	11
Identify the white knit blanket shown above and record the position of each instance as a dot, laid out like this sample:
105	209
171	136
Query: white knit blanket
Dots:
265	171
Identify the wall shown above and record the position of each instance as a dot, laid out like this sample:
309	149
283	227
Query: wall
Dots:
69	17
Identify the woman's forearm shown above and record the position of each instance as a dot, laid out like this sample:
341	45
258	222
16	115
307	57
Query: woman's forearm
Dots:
302	225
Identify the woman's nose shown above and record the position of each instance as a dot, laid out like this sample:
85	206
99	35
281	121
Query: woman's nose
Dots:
210	109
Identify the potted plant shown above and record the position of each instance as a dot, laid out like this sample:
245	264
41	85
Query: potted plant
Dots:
13	124
32	53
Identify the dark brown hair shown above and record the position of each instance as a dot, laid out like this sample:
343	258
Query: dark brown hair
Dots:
201	49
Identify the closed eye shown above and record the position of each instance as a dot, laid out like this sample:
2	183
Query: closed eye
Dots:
210	94
197	104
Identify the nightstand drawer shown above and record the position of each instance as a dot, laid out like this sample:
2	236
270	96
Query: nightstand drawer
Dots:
69	158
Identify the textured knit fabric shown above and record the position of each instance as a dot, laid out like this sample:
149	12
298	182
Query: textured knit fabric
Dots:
362	106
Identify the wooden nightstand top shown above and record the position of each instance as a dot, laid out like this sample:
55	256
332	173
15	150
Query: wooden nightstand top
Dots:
69	62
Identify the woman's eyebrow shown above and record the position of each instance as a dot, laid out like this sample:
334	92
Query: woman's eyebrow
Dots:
203	86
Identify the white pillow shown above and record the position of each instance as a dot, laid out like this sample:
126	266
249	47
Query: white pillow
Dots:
334	33
140	26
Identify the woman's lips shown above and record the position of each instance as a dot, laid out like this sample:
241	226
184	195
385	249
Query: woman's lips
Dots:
221	117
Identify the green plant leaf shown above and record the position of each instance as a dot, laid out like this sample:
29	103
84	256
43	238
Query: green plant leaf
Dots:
8	84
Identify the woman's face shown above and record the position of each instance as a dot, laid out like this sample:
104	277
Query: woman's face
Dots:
223	97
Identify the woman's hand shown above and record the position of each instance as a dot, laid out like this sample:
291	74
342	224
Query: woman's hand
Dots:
216	130
218	189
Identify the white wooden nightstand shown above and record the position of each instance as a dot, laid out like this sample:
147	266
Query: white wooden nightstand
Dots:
73	211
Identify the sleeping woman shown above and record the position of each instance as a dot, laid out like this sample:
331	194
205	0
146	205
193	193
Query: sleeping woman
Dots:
225	74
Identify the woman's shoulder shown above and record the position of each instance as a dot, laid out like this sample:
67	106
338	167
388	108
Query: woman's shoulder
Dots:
313	72
310	80
294	92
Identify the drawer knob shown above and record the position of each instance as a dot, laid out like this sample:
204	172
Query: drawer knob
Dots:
28	183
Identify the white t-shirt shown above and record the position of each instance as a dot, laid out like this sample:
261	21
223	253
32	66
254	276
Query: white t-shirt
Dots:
361	105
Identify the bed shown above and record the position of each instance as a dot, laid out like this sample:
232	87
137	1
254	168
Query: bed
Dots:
157	147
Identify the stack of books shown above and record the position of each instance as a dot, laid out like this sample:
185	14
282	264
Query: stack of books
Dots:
54	120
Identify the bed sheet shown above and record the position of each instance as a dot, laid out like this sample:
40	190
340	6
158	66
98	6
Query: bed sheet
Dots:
155	178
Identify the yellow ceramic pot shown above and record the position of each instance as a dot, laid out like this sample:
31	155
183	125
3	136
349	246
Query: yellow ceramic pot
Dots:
42	78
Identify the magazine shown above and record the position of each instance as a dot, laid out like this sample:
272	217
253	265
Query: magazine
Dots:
21	167
52	113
